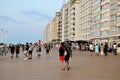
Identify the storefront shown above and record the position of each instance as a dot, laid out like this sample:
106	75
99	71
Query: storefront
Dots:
115	39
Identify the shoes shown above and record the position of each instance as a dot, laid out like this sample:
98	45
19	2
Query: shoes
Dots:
67	67
29	58
11	56
26	58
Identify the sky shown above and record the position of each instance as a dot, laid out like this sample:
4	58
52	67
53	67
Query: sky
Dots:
25	20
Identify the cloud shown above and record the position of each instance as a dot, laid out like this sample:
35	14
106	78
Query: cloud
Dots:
9	19
36	14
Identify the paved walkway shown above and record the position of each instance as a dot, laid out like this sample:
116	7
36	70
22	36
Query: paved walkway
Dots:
83	67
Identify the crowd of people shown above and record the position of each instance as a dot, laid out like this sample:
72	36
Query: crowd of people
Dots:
64	49
27	49
103	49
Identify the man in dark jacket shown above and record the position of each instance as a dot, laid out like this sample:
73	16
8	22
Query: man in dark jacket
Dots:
67	56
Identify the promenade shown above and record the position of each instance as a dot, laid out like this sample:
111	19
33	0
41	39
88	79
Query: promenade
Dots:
83	67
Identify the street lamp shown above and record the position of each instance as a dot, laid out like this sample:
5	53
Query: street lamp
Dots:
1	35
5	36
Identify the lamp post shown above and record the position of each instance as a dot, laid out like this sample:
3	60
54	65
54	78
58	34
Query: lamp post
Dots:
1	35
5	36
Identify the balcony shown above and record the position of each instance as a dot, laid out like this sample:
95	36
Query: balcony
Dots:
104	2
118	13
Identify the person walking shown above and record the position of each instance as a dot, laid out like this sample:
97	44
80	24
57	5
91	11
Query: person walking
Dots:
115	49
68	54
12	49
17	49
30	51
106	49
101	49
38	50
47	49
97	50
26	47
61	56
91	48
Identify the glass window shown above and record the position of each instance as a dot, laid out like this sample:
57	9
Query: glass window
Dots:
113	28
96	10
118	7
118	29
96	18
103	33
118	18
113	17
112	7
96	2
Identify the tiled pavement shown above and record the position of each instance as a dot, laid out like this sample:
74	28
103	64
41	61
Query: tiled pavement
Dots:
83	67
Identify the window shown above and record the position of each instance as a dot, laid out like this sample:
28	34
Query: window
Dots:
103	24
112	7
118	18
113	28
118	29
96	18
118	7
104	33
113	17
97	33
95	26
96	2
103	15
96	10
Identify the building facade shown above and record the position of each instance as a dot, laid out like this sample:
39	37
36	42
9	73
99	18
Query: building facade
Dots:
97	21
64	22
74	20
55	26
85	19
47	34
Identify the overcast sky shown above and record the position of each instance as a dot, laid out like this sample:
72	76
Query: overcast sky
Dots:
25	20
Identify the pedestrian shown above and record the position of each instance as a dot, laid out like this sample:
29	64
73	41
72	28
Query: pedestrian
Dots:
101	49
12	49
115	49
97	50
26	47
47	49
106	49
68	54
30	51
17	49
38	50
91	48
61	56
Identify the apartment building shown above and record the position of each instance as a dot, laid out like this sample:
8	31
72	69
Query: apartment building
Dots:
54	28
100	21
115	21
85	19
64	22
74	20
47	34
90	20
